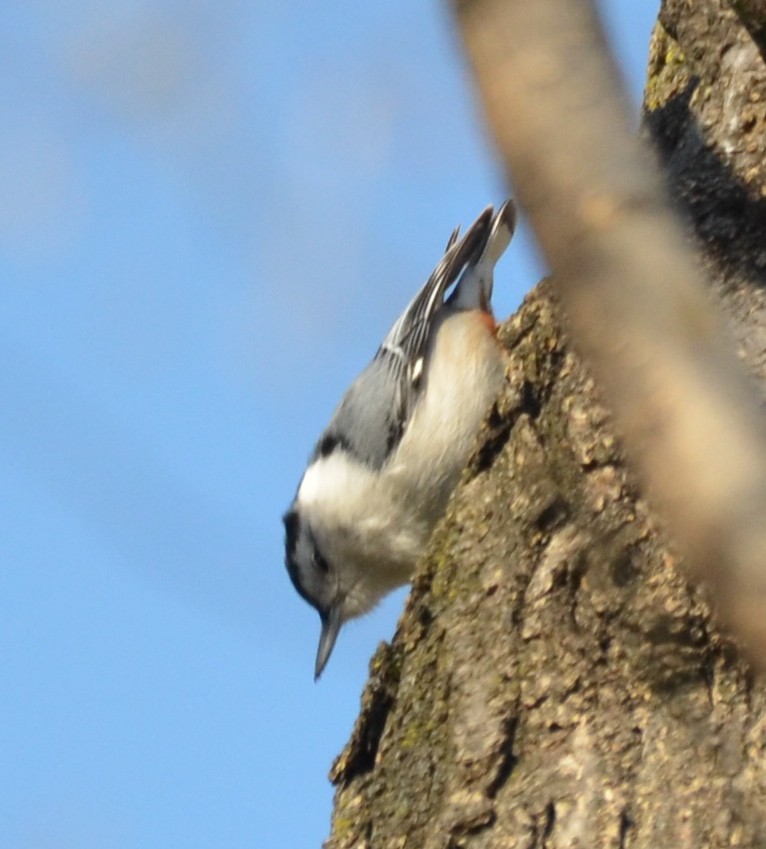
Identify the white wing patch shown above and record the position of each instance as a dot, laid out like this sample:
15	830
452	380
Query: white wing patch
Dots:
417	369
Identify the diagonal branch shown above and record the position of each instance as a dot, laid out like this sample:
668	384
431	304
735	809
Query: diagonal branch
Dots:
635	298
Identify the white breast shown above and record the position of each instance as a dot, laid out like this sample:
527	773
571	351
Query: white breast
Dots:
464	377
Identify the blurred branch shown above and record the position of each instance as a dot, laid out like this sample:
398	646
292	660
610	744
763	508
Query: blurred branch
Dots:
634	296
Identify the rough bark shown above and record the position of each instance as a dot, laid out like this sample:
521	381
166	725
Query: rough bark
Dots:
545	687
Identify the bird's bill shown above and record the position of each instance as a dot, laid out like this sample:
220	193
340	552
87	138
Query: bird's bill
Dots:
331	622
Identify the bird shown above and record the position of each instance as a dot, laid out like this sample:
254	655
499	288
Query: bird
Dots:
381	473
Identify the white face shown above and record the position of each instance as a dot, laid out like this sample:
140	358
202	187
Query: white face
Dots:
329	539
355	533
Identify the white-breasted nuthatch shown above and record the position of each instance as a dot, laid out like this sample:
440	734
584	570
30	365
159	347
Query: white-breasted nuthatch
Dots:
383	470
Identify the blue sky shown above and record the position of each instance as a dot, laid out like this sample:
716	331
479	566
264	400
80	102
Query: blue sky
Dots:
210	213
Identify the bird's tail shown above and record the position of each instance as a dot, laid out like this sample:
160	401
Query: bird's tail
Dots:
474	288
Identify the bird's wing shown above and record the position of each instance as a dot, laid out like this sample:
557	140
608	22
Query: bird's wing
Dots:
373	415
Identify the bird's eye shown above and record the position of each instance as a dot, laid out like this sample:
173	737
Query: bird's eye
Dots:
328	444
320	563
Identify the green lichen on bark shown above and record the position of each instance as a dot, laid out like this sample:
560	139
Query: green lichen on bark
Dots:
668	72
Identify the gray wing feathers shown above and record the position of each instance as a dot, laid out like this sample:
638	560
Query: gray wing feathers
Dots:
369	421
409	335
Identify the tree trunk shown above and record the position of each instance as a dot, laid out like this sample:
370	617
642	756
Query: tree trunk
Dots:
556	680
